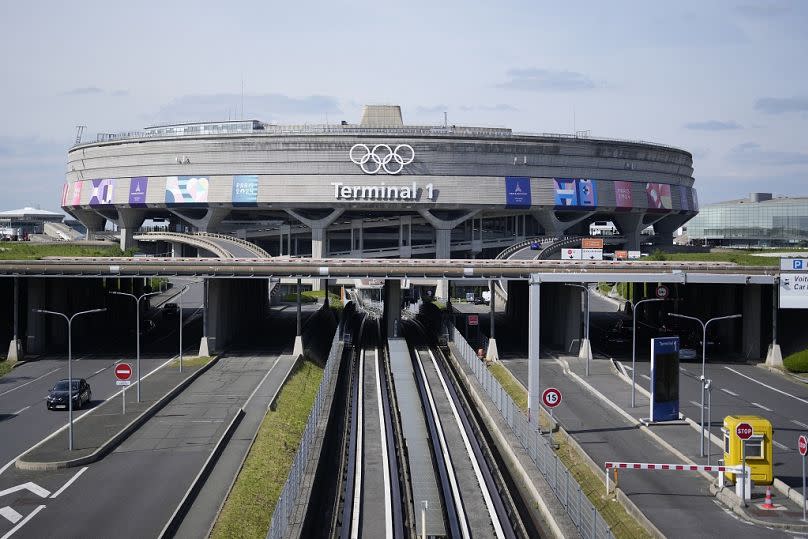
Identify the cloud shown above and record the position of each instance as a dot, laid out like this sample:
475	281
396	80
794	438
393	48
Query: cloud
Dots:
750	153
499	107
87	90
713	125
216	107
431	109
779	105
546	80
32	171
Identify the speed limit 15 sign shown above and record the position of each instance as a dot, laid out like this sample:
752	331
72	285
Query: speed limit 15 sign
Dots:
551	397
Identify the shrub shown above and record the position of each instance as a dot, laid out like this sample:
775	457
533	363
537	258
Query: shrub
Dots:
797	362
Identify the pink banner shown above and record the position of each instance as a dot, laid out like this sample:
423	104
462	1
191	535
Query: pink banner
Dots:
659	196
622	194
77	193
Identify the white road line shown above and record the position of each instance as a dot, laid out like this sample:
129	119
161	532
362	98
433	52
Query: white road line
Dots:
358	466
23	522
10	514
649	379
63	427
29	382
102	370
767	386
388	516
727	391
761	406
694	403
781	446
799	423
21	410
69	482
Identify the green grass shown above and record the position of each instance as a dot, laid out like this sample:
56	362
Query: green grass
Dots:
5	367
191	361
797	362
621	523
248	510
310	296
743	258
35	251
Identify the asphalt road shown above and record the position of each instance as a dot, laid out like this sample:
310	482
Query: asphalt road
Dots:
24	420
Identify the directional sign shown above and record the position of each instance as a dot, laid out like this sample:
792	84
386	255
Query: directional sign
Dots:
570	254
123	371
744	431
592	243
551	397
793	290
621	255
662	291
474	320
592	254
794	264
802	444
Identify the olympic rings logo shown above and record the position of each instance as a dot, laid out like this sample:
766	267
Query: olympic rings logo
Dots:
382	157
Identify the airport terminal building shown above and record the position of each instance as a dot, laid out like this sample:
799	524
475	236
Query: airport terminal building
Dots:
378	188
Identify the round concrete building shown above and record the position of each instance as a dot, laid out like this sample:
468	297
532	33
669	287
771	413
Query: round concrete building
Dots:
378	188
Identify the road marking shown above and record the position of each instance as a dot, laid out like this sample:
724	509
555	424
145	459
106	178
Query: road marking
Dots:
21	410
768	386
646	377
694	403
203	421
99	370
728	391
29	382
23	522
761	406
627	367
69	482
30	485
799	423
781	446
10	514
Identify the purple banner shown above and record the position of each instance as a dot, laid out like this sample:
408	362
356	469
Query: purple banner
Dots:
659	196
683	198
101	194
622	195
137	191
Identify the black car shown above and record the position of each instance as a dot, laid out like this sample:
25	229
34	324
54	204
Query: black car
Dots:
57	396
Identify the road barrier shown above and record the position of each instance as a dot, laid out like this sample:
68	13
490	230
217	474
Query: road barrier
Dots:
580	510
669	467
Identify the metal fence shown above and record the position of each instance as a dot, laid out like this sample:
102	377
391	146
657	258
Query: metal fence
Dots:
288	500
583	514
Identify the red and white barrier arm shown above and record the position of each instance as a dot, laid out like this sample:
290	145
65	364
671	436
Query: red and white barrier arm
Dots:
671	467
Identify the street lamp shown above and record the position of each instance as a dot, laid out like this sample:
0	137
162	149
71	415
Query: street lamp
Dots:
703	359
588	347
184	290
69	366
634	346
137	322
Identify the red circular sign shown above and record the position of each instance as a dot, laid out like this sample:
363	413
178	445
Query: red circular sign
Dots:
744	431
802	445
551	397
662	291
123	371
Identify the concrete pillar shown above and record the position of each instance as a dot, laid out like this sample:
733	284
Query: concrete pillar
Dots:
774	357
15	346
91	220
392	308
751	323
443	242
208	223
405	236
298	348
630	225
129	220
319	236
533	350
553	226
207	344
492	353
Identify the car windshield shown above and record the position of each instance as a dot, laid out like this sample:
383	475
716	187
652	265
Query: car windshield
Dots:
62	385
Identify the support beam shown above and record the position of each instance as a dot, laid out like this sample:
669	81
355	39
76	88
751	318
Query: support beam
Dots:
129	220
492	353
533	350
443	242
15	347
298	349
209	222
774	357
630	225
392	308
91	220
319	236
205	347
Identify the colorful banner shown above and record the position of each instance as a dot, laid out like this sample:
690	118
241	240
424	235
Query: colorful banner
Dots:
101	194
565	192
622	195
77	193
137	191
683	198
659	196
587	193
517	192
186	190
245	190
65	187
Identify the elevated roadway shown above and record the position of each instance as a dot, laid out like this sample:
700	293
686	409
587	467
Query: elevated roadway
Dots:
221	245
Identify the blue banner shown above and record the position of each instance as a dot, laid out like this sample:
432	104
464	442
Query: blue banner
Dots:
665	379
517	192
587	193
566	193
245	190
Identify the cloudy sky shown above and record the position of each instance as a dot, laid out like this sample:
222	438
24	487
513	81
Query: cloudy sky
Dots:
725	80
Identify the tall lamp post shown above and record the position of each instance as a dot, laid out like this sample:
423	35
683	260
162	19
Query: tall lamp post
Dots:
703	359
69	366
585	348
184	290
634	346
137	326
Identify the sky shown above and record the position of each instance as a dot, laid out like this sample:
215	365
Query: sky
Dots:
724	80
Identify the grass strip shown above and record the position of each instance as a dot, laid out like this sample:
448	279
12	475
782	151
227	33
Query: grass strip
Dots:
621	523
33	251
248	510
5	367
193	361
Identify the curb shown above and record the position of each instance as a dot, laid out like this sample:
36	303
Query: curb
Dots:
782	372
274	397
174	522
120	436
729	499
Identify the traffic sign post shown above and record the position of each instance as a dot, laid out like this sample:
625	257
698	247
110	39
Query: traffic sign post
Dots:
744	432
123	372
551	397
802	444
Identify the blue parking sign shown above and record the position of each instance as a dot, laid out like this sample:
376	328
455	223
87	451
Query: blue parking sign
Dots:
798	264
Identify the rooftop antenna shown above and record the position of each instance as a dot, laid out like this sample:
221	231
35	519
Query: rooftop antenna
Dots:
574	130
445	119
242	96
79	130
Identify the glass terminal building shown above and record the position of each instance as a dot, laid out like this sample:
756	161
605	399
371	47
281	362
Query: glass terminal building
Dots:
759	220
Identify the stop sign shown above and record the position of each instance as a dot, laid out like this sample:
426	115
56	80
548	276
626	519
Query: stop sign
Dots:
744	431
802	444
123	371
551	397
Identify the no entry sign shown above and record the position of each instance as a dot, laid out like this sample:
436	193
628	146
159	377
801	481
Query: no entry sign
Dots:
743	431
802	444
474	320
662	291
551	397
123	371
